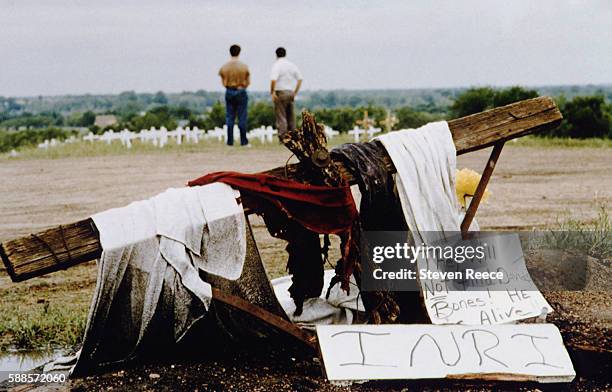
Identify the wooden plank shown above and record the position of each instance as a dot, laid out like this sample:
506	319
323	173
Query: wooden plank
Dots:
521	352
51	250
484	129
482	186
267	317
30	256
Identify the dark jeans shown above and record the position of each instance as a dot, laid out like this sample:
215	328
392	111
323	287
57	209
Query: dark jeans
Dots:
236	101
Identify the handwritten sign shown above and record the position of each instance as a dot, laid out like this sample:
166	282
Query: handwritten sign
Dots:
533	352
513	298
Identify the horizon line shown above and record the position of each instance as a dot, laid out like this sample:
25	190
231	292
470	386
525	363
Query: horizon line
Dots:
606	84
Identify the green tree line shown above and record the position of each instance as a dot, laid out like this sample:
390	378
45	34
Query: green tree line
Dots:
584	116
30	137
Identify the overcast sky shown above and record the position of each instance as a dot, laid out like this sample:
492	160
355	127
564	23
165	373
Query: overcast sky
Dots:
72	47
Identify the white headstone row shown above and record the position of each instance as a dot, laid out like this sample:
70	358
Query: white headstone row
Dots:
160	137
329	132
54	142
356	132
264	134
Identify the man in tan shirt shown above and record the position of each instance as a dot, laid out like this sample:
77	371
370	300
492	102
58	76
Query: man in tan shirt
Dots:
235	77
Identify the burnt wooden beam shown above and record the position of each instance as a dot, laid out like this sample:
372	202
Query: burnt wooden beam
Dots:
269	318
51	250
67	245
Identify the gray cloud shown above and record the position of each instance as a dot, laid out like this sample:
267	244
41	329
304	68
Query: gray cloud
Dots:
58	47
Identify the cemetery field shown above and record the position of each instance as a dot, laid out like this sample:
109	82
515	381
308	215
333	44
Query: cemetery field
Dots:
532	187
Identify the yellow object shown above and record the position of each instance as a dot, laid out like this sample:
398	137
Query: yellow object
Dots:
466	183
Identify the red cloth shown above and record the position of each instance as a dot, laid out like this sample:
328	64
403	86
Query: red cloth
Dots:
322	209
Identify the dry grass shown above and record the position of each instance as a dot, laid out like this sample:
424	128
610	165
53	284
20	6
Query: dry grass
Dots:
88	149
46	312
551	142
592	238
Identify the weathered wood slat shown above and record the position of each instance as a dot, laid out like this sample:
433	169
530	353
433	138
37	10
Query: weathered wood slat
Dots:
484	129
78	242
267	317
478	131
51	250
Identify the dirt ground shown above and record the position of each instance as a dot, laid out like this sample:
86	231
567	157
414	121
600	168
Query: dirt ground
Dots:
531	187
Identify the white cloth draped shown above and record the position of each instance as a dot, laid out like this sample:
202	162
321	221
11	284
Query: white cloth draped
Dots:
149	291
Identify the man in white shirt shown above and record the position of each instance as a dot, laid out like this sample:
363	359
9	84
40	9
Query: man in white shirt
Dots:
286	81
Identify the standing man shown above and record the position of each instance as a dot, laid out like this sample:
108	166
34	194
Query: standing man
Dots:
235	77
286	81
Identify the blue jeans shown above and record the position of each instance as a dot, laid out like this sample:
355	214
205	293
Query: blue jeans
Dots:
236	101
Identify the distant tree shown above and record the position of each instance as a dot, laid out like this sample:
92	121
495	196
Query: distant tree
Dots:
410	118
87	119
215	117
128	96
181	112
354	101
9	104
160	98
325	116
326	100
472	101
340	119
197	121
30	137
512	94
261	114
157	117
586	117
376	113
29	120
127	113
344	119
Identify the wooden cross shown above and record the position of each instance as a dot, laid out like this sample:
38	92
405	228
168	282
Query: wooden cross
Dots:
74	243
366	122
61	247
389	122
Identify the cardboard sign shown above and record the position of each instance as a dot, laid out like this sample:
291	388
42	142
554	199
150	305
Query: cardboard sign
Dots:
514	298
521	352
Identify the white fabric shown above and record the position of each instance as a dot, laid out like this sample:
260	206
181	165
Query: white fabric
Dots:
223	247
206	220
137	292
339	308
179	216
426	161
286	74
137	223
148	284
